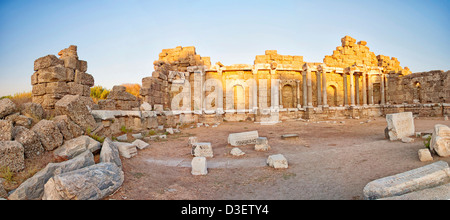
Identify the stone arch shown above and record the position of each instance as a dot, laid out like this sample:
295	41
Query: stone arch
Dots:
332	95
288	96
235	96
238	97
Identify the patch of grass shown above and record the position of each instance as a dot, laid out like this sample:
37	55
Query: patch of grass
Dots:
125	130
427	141
7	174
152	132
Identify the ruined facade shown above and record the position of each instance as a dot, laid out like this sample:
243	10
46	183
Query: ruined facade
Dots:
352	82
56	77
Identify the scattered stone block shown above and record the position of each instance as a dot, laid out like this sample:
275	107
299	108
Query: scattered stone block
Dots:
199	166
123	137
425	155
67	127
440	140
12	155
33	110
110	153
140	144
243	138
262	144
76	146
407	140
145	107
289	136
126	150
202	149
33	187
277	161
90	183
427	176
169	130
7	107
436	193
49	134
236	152
192	141
6	128
400	125
30	141
74	107
137	136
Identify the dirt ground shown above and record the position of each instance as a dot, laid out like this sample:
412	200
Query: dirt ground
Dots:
332	160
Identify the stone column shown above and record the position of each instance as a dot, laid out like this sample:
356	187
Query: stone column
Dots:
255	92
357	89
370	89
305	89
309	85
345	89
352	89
280	94
382	88
298	93
364	88
324	88
319	86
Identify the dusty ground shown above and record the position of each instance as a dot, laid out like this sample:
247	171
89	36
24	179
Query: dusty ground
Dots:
329	161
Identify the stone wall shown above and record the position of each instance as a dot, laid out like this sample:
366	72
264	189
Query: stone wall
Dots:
56	77
419	88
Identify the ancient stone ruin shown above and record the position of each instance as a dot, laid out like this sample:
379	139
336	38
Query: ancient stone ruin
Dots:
56	77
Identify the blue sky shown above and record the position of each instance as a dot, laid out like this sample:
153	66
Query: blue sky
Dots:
121	39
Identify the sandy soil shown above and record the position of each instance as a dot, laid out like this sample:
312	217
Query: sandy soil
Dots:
331	160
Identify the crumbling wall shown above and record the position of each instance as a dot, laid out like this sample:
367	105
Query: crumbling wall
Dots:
155	89
56	77
424	87
119	99
272	57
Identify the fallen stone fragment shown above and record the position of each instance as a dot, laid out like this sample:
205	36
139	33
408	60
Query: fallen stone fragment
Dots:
277	161
400	125
12	155
407	140
243	138
6	128
431	175
289	136
7	107
262	144
199	166
49	134
435	193
425	155
140	144
202	149
74	107
30	141
126	150
33	188
110	153
236	152
90	183
123	137
76	146
440	140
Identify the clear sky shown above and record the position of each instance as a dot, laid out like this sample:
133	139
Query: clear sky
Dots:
120	39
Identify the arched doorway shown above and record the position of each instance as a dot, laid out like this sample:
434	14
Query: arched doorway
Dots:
416	93
332	96
288	96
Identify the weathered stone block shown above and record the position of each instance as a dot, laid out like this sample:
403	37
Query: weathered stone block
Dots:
49	134
425	155
74	107
7	107
67	127
12	155
237	152
424	177
199	166
6	127
90	183
262	144
110	153
202	149
243	138
33	110
400	125
76	146
52	74
30	141
440	140
126	150
47	61
277	161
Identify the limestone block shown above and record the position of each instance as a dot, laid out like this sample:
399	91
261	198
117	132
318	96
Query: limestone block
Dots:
30	141
262	144
126	150
12	155
199	166
82	65
243	138
400	125
49	134
237	152
202	149
84	78
67	127
110	153
425	155
75	108
20	120
440	140
417	179
140	144
7	107
436	193
145	106
6	128
76	146
70	62
33	110
56	88
52	74
289	136
277	161
90	183
47	61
